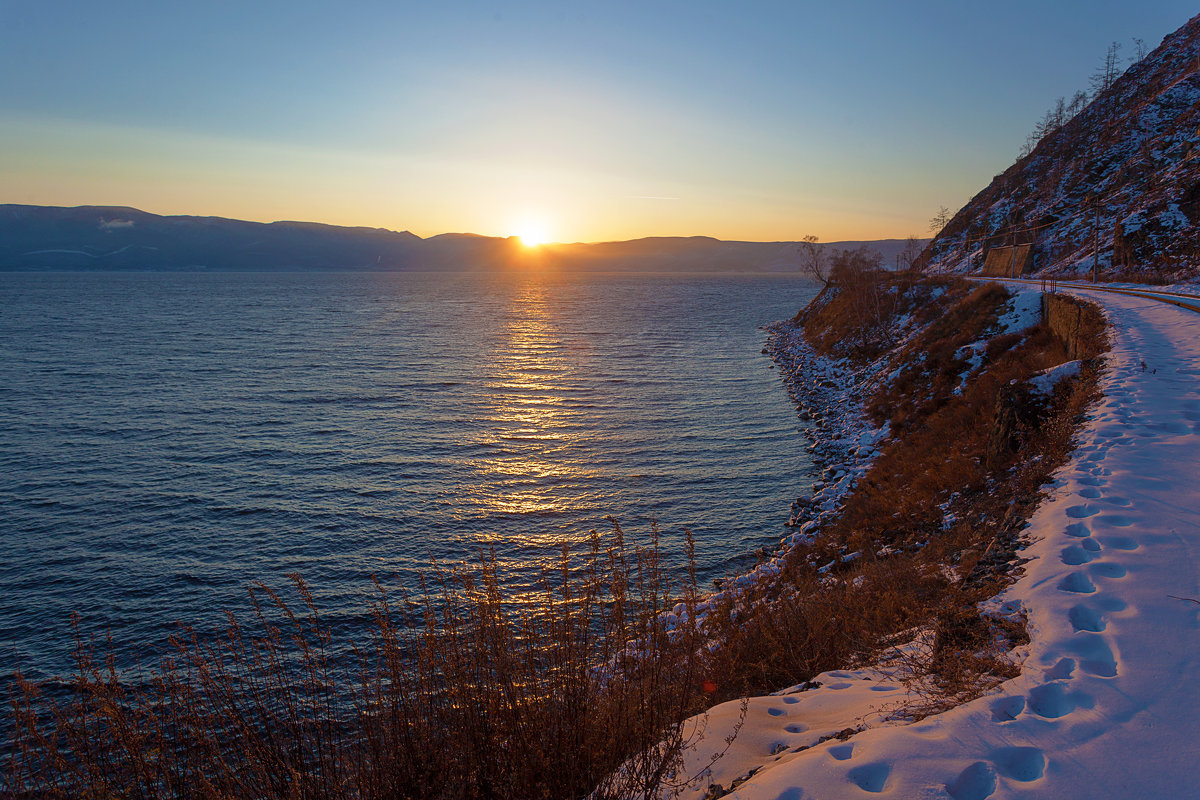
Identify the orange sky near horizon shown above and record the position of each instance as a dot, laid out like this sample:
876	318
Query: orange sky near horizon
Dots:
763	121
168	172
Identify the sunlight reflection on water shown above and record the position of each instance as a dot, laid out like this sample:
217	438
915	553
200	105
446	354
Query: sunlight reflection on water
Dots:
168	438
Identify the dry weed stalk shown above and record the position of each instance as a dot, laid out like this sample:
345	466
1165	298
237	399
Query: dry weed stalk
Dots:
456	694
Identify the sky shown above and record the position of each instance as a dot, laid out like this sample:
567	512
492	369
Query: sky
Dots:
570	121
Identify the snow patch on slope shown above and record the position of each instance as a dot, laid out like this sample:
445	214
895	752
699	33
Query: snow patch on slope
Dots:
1105	705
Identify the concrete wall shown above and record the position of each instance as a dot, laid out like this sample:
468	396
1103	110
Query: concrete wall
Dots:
1008	262
1074	323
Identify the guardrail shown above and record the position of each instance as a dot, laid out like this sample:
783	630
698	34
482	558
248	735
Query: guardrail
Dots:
1189	301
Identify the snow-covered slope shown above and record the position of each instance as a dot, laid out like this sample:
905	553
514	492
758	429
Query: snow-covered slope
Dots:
1107	703
1125	173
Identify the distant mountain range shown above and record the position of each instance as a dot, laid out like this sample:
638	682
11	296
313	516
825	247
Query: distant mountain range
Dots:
1117	183
116	237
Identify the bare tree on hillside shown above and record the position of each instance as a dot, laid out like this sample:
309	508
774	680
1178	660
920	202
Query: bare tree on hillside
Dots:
1079	101
813	261
859	275
940	220
1055	118
913	247
1139	51
1108	71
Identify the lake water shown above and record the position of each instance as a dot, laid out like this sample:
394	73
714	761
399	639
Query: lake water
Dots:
167	439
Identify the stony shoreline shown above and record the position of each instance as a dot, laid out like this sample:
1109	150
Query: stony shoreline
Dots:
829	397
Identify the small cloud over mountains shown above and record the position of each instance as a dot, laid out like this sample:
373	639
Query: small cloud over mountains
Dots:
115	224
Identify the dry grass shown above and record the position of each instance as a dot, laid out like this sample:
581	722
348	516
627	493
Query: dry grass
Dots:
932	528
455	694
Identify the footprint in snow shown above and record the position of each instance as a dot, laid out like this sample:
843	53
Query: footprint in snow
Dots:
1006	709
871	777
1084	618
976	782
842	752
1075	555
1062	669
1082	511
1120	543
1078	529
1023	764
1077	582
1050	701
1096	657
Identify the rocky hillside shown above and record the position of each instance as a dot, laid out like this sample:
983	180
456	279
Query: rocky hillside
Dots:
1123	174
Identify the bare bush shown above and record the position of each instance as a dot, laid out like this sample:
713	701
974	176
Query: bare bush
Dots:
813	261
455	694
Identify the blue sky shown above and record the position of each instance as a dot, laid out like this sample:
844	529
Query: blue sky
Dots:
592	121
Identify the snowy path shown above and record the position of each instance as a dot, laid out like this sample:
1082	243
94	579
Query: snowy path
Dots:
1108	702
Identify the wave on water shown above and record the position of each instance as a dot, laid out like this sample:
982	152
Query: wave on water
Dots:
178	437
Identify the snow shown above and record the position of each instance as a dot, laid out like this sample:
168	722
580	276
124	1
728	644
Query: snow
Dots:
1106	704
1192	289
1024	309
1043	383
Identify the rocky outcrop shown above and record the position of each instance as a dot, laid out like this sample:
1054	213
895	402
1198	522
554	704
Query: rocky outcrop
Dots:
1074	323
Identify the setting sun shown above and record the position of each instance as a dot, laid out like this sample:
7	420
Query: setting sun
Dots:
532	233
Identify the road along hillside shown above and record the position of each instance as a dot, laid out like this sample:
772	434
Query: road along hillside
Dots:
1106	704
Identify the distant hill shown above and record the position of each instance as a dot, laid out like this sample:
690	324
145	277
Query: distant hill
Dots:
115	237
1123	173
112	237
700	254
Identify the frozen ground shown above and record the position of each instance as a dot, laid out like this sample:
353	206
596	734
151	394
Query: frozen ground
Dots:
1107	703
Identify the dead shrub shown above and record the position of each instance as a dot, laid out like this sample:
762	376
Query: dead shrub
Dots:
455	693
959	657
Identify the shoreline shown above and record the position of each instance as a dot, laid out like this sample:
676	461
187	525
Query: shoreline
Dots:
842	444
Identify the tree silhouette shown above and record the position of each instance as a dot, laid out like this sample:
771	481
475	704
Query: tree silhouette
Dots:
940	220
1108	71
813	261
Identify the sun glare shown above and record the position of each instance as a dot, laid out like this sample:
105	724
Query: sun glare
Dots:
532	233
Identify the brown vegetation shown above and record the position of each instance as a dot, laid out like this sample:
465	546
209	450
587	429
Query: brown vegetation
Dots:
932	528
455	695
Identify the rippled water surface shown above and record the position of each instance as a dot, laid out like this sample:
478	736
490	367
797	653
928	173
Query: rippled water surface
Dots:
166	439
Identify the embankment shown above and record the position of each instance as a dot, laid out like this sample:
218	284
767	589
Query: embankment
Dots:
938	409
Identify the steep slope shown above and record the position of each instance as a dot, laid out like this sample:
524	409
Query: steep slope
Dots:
1122	177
